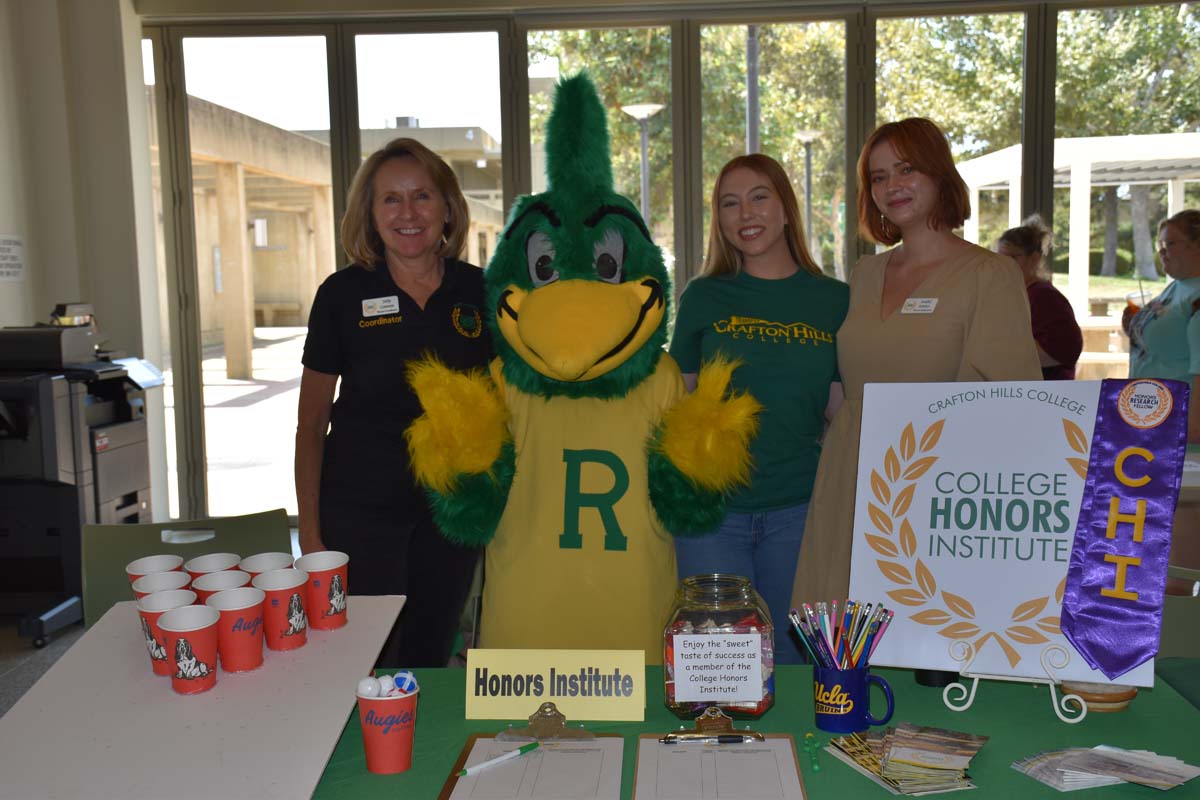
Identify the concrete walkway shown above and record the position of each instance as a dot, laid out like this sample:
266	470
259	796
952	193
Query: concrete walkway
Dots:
250	426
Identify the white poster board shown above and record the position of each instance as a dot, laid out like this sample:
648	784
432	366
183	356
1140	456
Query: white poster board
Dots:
968	495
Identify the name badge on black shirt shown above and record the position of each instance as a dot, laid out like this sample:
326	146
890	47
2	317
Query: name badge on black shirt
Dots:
376	306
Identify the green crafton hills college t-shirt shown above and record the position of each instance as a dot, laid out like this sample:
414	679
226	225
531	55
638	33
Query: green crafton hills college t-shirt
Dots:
783	331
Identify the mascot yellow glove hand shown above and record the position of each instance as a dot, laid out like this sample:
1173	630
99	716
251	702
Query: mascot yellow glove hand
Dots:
707	435
463	429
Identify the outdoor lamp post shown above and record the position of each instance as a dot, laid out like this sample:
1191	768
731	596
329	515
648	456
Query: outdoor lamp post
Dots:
807	137
642	112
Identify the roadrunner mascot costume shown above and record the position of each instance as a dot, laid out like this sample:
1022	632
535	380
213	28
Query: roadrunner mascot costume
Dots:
580	453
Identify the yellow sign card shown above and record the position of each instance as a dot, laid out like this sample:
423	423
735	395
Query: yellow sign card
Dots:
583	684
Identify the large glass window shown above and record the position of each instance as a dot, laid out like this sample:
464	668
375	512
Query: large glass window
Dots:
631	68
258	119
966	74
790	108
1125	151
160	262
452	107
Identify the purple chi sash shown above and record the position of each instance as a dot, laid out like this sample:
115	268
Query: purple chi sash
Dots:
1112	606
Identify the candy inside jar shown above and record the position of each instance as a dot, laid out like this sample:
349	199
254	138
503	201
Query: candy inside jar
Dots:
718	648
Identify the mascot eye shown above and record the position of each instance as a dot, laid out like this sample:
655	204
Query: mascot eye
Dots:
609	255
540	253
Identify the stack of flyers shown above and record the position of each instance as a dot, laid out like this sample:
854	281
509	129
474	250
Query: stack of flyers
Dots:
912	759
1081	768
927	759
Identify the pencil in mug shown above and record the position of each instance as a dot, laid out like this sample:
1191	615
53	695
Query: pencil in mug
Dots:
795	620
823	648
887	620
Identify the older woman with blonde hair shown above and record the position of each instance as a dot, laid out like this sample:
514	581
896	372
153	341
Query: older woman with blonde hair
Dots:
404	294
763	301
933	308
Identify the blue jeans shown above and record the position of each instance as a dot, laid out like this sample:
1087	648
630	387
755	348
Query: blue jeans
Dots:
762	546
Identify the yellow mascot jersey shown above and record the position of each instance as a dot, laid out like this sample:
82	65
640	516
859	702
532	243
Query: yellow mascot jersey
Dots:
580	560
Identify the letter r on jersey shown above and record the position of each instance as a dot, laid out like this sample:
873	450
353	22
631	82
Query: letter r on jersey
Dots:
575	499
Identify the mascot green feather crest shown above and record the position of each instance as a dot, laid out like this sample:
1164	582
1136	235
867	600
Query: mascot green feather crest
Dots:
577	140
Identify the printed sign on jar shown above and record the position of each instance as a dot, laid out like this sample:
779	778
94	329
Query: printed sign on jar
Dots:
967	501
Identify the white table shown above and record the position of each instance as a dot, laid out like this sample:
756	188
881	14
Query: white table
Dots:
100	724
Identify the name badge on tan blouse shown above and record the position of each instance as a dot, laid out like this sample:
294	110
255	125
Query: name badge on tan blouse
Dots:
919	305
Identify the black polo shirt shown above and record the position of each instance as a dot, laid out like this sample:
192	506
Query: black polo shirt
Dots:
365	329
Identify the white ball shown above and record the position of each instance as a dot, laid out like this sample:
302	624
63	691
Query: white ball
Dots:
368	687
386	684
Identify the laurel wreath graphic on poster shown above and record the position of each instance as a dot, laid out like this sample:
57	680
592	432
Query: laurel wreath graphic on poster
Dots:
894	540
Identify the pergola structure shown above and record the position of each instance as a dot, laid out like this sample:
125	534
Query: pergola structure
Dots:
1081	164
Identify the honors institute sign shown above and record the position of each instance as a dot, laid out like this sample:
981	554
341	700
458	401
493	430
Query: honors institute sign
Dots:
966	510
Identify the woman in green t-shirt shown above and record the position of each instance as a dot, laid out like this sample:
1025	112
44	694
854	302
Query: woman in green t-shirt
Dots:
762	300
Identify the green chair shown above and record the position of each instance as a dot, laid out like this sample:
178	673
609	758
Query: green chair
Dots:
108	548
1180	620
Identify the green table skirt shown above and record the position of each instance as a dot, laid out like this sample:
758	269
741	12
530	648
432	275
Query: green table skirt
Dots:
1017	718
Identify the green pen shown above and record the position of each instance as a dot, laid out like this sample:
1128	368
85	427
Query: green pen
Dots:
520	751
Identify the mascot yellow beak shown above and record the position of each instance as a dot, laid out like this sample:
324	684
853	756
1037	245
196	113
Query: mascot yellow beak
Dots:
578	330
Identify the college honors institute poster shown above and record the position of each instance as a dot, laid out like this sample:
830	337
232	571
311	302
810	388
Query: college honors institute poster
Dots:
968	496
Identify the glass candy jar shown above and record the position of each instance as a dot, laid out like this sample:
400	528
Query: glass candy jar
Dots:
718	648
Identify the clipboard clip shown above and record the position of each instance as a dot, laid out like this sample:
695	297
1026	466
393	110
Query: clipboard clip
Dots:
713	726
547	724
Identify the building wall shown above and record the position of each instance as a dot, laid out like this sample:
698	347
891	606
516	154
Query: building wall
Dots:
84	198
16	297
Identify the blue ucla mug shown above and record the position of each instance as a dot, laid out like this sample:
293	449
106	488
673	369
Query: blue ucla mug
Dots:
842	699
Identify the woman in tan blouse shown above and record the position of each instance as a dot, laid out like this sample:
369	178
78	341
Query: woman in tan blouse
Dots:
935	308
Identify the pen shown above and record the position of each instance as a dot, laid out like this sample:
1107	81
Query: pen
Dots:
520	751
724	738
795	620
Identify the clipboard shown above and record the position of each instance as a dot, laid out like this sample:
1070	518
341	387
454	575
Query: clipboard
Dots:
546	725
452	779
770	740
701	756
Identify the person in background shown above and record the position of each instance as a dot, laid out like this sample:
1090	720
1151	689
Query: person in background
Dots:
405	294
1055	331
1164	335
763	301
934	308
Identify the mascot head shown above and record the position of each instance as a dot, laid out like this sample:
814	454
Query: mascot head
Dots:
576	288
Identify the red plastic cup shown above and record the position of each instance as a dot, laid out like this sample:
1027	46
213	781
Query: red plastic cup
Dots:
213	562
285	621
210	583
152	564
150	608
259	563
160	582
240	631
387	731
327	588
191	647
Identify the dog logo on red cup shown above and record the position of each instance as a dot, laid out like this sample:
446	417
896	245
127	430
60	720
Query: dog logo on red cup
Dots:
157	651
297	619
832	701
387	721
186	662
337	596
